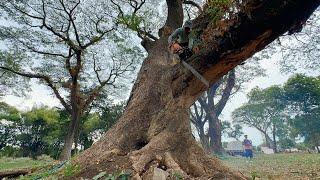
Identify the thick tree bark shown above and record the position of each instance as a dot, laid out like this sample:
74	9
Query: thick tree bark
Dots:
215	135
69	139
76	112
154	130
204	139
274	138
160	135
268	140
213	110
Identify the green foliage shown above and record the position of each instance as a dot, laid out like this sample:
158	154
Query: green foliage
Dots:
235	131
254	175
131	21
265	111
177	175
288	112
70	170
10	151
31	133
302	95
42	130
301	146
99	122
217	8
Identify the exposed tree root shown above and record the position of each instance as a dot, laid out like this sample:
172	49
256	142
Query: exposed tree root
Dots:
165	154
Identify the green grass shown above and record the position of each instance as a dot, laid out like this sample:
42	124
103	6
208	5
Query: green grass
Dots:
278	166
7	163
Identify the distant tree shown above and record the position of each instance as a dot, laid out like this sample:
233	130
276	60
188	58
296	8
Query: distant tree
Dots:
7	115
214	100
34	132
232	131
285	112
251	115
210	111
264	111
302	95
75	48
42	130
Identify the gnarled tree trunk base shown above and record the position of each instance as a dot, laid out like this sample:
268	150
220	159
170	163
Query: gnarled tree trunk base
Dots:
179	158
154	132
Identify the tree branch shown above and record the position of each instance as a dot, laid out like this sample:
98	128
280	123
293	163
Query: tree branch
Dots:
226	46
69	13
226	93
175	14
193	4
46	79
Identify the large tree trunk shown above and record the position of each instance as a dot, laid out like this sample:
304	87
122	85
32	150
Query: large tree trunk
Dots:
214	121
274	138
154	130
69	139
215	134
76	113
204	139
269	142
213	112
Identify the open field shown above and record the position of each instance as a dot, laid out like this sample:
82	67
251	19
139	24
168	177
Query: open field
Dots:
15	166
292	166
8	163
278	166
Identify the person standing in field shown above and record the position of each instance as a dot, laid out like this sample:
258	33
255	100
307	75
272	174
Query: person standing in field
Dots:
247	146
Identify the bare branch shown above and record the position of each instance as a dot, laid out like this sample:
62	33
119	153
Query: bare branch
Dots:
96	70
42	52
69	13
42	77
121	14
193	4
226	92
67	62
97	38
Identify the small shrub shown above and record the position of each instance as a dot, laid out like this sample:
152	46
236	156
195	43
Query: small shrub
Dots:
254	175
177	175
70	170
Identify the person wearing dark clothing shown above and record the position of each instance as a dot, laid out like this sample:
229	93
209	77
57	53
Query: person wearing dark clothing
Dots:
247	146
